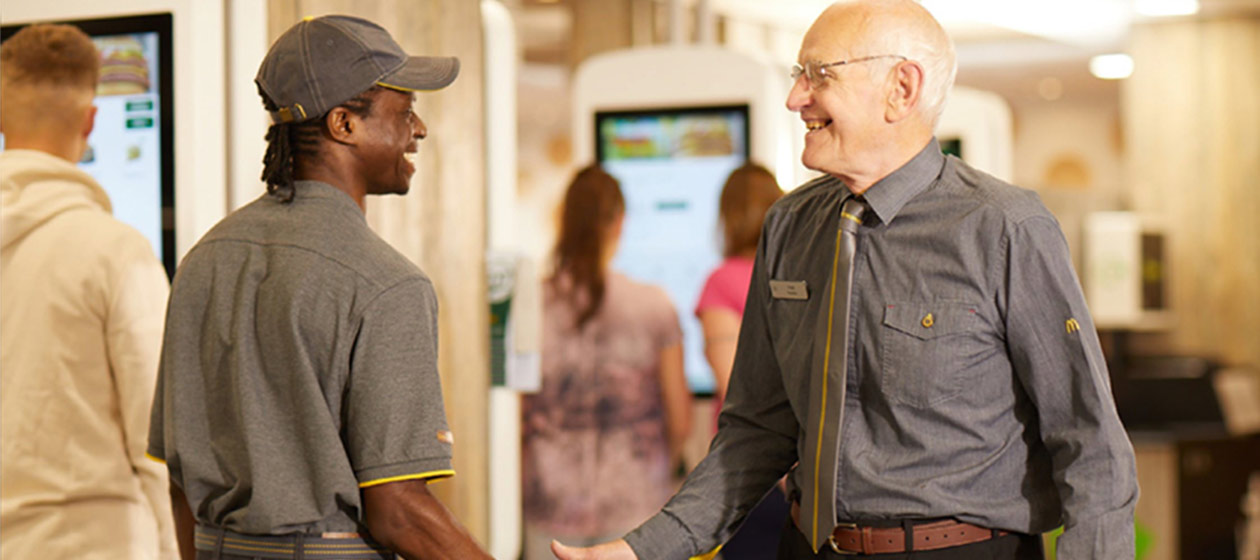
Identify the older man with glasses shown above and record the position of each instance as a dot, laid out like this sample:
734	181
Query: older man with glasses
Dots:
915	351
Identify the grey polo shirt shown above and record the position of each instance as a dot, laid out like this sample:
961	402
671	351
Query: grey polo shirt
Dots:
299	365
997	411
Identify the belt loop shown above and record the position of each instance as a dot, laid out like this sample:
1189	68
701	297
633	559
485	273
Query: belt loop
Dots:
299	551
218	544
907	527
994	533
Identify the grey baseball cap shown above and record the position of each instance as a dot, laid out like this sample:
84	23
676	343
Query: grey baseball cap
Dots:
323	62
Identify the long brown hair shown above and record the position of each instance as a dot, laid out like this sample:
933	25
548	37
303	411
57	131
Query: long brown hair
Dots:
750	190
592	203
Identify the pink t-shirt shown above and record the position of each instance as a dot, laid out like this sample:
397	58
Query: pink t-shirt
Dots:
727	286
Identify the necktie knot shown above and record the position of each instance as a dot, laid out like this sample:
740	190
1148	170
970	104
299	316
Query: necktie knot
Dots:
852	213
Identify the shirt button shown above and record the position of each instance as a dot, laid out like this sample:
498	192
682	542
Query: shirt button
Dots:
928	321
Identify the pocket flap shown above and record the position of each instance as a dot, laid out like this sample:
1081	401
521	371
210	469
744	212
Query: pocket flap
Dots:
930	320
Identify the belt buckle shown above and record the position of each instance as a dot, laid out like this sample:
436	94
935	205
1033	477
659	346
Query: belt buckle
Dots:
831	539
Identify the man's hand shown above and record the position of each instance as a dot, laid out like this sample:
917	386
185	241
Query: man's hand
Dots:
615	550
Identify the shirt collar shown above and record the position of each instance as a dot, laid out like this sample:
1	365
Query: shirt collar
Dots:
318	189
888	195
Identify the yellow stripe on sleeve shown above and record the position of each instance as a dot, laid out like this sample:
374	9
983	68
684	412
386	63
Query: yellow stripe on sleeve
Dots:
708	555
427	476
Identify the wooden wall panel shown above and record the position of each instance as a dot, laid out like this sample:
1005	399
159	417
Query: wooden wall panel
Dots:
440	225
1192	122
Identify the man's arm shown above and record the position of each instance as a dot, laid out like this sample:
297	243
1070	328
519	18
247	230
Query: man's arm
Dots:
1055	352
396	434
406	518
615	550
755	444
137	308
185	524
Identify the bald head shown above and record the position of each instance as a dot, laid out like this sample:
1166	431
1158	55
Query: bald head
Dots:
898	27
48	76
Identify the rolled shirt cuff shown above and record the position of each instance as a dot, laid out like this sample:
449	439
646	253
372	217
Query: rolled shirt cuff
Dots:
662	537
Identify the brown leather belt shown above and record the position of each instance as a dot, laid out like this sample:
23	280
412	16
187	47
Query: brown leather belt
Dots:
850	538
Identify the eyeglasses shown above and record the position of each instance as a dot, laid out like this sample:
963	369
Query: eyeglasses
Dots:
816	72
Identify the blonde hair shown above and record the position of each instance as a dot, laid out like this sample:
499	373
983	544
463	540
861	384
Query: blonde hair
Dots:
50	55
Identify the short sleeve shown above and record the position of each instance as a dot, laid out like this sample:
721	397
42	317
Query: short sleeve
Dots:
726	288
395	423
710	295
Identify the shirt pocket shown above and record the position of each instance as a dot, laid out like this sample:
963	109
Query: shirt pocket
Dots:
924	351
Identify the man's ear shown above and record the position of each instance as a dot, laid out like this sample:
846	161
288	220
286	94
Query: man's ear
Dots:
906	91
342	125
89	122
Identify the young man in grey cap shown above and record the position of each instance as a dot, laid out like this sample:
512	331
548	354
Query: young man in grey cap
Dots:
299	408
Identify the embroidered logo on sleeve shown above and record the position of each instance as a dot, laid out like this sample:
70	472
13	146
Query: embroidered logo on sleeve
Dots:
1073	326
446	436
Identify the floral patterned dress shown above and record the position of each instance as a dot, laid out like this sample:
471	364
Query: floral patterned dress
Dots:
595	458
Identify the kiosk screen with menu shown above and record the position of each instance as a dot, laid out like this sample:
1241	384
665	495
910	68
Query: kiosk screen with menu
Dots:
672	164
131	149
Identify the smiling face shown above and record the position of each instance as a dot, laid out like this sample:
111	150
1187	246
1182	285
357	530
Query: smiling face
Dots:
388	149
844	116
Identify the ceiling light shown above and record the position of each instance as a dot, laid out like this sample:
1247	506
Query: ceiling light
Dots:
1111	66
1157	8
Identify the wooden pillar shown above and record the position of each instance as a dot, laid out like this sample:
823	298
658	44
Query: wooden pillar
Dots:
440	225
1192	124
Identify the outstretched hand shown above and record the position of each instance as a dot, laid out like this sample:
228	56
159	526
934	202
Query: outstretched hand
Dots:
614	550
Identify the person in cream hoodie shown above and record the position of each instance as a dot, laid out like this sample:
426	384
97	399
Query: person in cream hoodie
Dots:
82	300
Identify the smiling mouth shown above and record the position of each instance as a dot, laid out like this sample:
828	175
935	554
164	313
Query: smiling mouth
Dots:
813	125
411	157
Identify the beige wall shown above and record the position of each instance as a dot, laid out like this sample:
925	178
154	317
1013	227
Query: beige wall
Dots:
1192	124
440	225
1071	154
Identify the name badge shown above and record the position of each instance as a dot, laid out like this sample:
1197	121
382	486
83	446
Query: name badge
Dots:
785	289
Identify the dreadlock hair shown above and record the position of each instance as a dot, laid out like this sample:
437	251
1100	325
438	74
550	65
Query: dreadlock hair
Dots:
592	203
288	141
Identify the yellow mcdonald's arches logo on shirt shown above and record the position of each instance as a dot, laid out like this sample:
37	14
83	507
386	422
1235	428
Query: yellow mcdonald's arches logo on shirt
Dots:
1073	326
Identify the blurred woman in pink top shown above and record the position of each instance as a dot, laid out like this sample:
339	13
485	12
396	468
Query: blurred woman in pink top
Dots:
749	192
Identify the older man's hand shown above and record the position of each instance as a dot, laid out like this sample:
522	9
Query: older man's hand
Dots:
615	550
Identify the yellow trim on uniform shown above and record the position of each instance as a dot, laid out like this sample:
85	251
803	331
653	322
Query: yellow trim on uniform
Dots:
401	88
146	454
430	475
708	555
822	416
394	87
849	216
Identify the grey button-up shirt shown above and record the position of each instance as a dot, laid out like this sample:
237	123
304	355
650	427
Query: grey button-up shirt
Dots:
997	411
